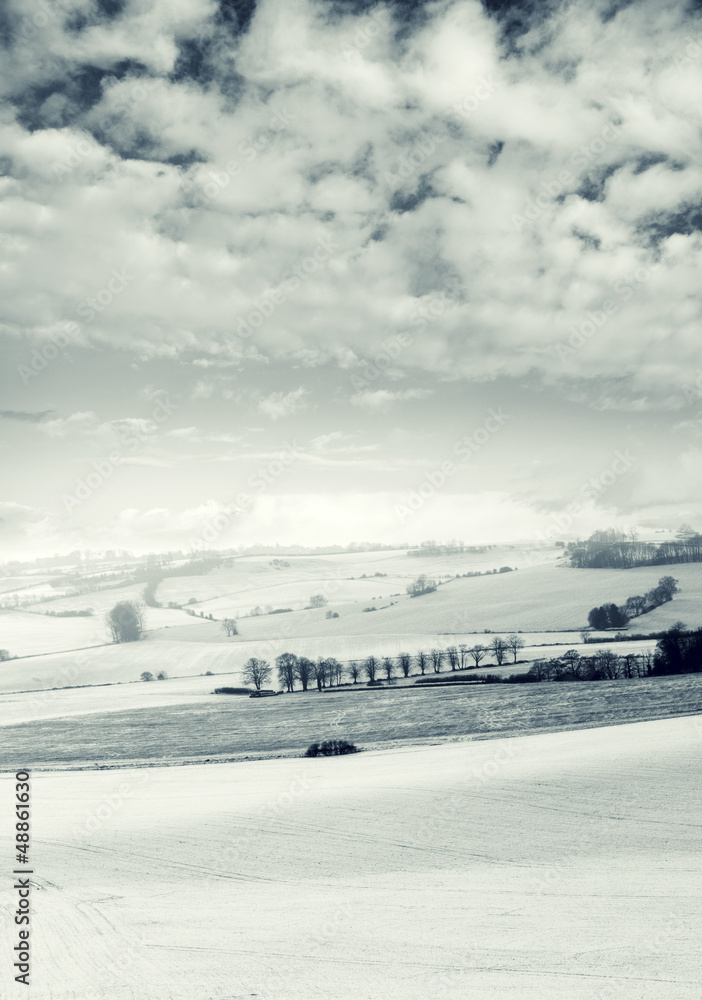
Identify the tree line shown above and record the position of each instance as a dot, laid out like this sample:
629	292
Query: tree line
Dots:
616	616
617	550
678	651
328	671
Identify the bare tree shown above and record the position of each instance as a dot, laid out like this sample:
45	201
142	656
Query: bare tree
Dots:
286	665
453	657
335	671
572	658
354	671
126	621
631	665
609	664
371	668
668	586
498	648
463	653
304	671
147	676
256	672
514	643
405	661
229	626
635	605
437	658
318	601
478	653
320	673
537	670
388	667
421	659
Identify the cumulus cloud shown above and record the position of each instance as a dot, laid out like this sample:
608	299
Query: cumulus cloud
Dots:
283	404
432	195
572	164
376	400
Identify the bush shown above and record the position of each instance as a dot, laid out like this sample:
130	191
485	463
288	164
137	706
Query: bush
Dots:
330	748
240	690
162	675
422	585
5	654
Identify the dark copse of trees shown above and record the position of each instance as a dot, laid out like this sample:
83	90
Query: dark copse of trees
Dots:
330	748
422	585
126	621
607	616
617	550
611	616
678	651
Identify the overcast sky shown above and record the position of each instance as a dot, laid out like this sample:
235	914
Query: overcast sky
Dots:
347	243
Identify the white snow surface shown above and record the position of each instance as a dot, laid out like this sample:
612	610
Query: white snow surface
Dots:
543	867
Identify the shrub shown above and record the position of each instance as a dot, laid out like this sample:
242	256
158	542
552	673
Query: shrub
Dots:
330	748
162	675
239	690
422	585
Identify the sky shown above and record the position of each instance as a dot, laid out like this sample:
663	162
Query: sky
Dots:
303	271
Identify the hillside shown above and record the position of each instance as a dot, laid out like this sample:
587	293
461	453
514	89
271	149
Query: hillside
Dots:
536	598
463	870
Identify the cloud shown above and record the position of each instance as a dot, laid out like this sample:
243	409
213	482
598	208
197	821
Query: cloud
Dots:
377	400
283	404
26	416
573	164
83	422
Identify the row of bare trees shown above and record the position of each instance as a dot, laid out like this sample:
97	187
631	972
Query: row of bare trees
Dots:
328	671
604	665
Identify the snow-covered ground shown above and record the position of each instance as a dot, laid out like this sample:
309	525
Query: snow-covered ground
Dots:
539	867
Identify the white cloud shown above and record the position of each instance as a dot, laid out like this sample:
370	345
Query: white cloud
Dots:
84	422
283	404
376	400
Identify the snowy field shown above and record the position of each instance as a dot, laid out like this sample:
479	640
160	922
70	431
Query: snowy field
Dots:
196	727
536	868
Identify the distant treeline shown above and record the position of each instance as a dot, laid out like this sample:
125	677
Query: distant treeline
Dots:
616	550
196	567
678	651
450	549
84	613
